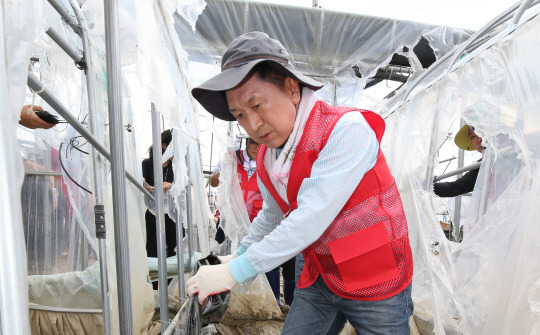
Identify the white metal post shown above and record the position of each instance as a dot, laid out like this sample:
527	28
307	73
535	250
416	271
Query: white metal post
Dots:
118	173
160	221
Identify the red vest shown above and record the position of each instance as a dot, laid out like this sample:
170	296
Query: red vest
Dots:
252	195
365	253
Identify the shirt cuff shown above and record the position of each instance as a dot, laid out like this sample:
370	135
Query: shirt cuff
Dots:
241	250
241	268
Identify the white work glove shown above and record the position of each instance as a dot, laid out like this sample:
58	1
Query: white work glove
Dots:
211	280
226	259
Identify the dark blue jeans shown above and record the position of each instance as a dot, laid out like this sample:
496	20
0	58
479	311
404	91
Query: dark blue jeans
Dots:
314	309
340	319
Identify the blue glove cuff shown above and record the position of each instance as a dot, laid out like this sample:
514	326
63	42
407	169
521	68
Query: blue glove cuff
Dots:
241	268
241	249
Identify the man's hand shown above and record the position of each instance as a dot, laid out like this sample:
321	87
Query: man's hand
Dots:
147	186
226	259
211	280
166	186
29	119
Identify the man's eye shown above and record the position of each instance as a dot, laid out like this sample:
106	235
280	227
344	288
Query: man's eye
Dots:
238	116
256	106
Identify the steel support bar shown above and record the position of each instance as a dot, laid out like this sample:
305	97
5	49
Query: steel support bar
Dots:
180	257
525	4
97	167
105	296
457	201
118	172
497	21
447	160
189	213
160	220
78	59
52	101
43	173
176	319
457	171
180	245
65	15
454	55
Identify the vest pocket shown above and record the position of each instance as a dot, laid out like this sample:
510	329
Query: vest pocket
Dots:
257	206
365	258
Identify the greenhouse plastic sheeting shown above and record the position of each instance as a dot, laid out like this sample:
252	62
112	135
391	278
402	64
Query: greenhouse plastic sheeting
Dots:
322	43
490	282
58	217
18	28
158	77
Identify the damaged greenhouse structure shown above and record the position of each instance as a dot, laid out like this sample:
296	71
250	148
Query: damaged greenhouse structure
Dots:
116	74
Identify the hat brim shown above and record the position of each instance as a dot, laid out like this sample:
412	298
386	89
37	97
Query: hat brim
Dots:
462	139
211	93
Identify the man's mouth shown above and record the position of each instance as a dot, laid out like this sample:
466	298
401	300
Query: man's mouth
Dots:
265	136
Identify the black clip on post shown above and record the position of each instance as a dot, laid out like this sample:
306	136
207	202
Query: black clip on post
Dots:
99	217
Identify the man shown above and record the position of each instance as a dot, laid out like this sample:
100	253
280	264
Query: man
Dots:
465	139
327	192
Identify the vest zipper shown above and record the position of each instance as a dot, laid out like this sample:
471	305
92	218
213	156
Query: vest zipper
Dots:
288	212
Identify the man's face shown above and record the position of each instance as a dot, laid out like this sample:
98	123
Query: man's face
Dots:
266	112
251	149
475	140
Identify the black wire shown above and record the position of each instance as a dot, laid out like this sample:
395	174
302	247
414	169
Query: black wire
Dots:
59	131
63	168
75	144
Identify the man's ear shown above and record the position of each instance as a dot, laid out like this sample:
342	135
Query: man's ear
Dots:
293	89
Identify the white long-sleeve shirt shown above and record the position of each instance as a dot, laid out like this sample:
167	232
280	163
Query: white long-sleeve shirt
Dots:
351	151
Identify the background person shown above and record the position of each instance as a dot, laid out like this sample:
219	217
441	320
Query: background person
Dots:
467	140
247	170
150	219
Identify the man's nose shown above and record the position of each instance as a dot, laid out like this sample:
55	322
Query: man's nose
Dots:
254	121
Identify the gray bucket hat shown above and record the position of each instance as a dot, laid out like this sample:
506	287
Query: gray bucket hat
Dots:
241	56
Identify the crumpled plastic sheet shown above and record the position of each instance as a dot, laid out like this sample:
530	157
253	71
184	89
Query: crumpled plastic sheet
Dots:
78	289
234	218
172	263
253	300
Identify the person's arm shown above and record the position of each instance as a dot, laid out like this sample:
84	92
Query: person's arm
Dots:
268	218
350	152
29	119
214	179
462	185
166	186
